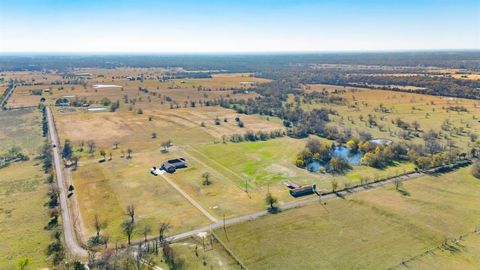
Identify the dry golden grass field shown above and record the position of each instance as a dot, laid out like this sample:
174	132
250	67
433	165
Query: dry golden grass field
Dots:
23	193
161	94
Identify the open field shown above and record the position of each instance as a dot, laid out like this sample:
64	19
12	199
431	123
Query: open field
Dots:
160	93
107	188
256	166
200	253
463	255
354	233
23	189
429	111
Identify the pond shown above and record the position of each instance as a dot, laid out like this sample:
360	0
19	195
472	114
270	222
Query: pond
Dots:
344	152
338	151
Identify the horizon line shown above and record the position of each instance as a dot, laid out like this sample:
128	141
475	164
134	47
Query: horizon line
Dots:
13	53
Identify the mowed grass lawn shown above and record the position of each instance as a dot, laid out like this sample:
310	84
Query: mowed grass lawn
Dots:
23	193
375	229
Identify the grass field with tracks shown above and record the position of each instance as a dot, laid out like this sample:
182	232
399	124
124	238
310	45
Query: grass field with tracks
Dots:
376	229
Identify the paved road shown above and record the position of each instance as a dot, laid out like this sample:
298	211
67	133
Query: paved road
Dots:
68	229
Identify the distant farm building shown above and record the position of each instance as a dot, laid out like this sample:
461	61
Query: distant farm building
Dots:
83	75
172	165
302	191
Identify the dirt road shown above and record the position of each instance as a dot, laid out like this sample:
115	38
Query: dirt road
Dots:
71	242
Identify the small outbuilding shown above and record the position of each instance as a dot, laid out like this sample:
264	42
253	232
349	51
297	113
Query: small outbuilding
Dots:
302	191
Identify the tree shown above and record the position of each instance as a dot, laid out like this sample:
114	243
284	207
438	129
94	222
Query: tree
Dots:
99	225
78	266
334	185
163	228
103	154
473	137
129	151
146	230
166	144
271	200
131	212
75	161
91	145
116	143
416	125
339	165
154	135
206	178
128	227
67	150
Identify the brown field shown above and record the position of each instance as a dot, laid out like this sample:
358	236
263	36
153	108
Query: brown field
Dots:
112	185
181	91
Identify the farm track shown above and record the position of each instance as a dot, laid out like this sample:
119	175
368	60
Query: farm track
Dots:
71	241
190	199
6	95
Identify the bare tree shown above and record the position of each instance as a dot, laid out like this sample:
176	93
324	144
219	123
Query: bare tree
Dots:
75	162
127	228
164	227
146	230
131	212
166	144
206	179
99	225
91	145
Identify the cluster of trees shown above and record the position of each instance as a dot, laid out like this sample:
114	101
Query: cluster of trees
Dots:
241	63
55	249
12	155
251	136
381	156
431	85
130	258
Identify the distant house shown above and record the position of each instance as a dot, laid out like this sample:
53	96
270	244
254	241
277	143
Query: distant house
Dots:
172	165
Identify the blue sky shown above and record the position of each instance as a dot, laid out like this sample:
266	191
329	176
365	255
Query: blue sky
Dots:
237	26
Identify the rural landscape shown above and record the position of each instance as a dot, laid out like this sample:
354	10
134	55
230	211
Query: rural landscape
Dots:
242	158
